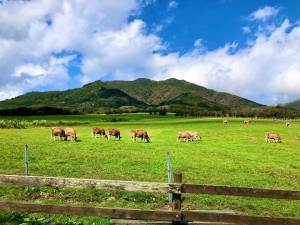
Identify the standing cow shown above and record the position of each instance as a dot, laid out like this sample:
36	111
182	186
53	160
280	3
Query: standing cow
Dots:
71	133
114	132
99	131
272	136
140	134
188	136
58	132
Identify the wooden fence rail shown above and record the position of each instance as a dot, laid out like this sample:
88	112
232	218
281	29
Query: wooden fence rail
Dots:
152	215
177	216
155	187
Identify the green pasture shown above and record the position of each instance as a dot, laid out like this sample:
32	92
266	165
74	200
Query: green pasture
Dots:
233	154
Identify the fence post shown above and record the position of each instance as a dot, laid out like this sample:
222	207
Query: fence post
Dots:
170	196
26	160
176	204
177	178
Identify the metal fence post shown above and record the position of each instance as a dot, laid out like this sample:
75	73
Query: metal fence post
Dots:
26	160
170	195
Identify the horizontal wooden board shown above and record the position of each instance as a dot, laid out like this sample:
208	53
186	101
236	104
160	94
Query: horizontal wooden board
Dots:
155	187
208	216
90	183
152	215
149	222
114	213
240	191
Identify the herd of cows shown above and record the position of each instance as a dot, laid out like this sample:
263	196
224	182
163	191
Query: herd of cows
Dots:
70	134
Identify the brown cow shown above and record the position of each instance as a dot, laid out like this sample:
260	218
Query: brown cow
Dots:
71	132
100	131
58	132
140	134
114	132
272	136
247	121
188	136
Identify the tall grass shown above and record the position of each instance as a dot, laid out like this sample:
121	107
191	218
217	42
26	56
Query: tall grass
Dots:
21	124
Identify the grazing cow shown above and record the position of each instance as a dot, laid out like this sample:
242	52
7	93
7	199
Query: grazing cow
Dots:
71	132
272	136
195	135
114	132
58	132
188	136
247	121
140	134
287	124
225	122
99	131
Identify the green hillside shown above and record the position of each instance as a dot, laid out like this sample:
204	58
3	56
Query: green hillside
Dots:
157	92
139	94
293	105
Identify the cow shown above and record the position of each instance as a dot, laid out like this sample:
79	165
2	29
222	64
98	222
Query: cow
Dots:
247	121
195	135
114	132
188	136
99	131
71	132
225	122
58	132
272	136
140	134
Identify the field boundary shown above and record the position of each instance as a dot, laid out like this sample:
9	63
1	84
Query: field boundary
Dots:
153	187
177	188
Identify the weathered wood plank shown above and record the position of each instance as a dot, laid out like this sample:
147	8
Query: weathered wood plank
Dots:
240	191
149	222
114	213
200	215
155	187
90	183
176	205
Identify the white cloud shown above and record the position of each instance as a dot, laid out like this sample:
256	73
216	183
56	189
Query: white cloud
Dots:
173	4
246	30
266	70
264	13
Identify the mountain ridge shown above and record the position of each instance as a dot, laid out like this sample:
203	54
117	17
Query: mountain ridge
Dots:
139	93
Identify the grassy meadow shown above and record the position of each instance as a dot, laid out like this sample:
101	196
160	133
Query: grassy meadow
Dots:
233	154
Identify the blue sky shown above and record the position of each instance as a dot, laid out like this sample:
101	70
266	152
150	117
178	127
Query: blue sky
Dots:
215	22
248	48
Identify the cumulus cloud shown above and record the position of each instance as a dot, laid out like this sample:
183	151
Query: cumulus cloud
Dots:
38	46
264	13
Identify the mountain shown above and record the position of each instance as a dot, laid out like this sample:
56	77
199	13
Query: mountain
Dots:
140	93
158	92
90	96
293	105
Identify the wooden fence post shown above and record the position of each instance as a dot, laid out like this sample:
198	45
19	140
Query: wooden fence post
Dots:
176	205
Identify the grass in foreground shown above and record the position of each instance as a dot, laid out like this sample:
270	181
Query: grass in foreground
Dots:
232	155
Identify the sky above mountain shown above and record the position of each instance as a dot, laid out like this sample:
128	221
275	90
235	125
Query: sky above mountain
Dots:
249	48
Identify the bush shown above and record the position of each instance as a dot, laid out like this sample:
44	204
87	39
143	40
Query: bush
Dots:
21	124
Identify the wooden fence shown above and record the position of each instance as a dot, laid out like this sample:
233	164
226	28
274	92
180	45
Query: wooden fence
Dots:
177	188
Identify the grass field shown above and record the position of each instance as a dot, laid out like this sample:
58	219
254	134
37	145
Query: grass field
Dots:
235	154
